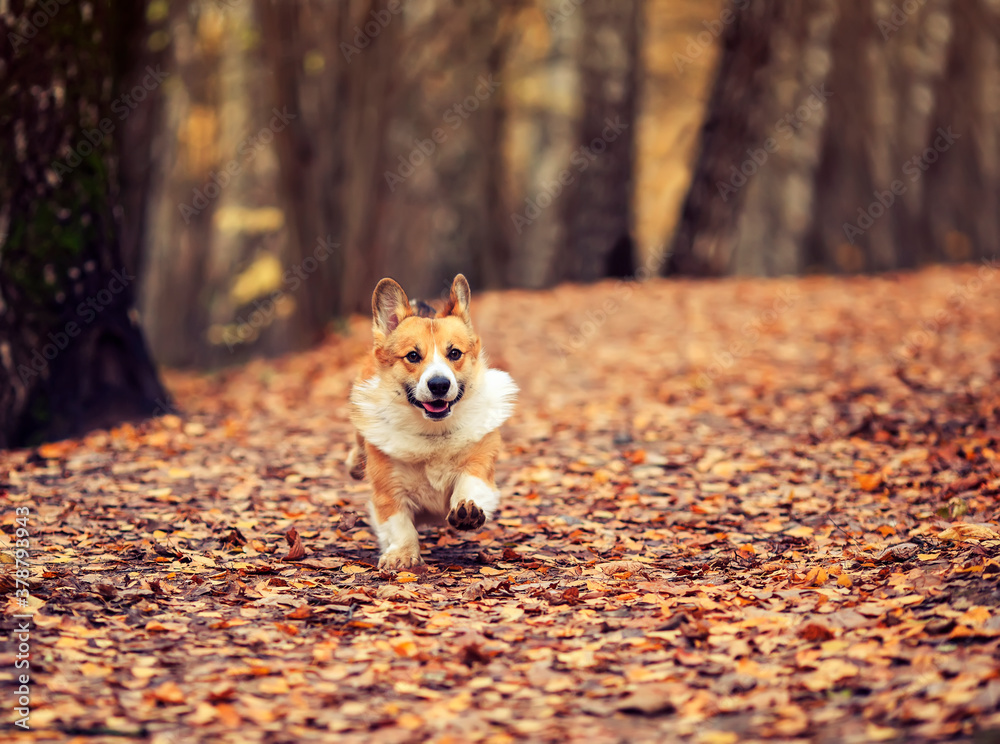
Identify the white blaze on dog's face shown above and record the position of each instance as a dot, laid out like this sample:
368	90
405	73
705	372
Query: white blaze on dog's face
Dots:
432	360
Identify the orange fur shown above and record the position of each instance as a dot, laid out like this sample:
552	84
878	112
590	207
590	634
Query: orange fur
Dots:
482	458
385	498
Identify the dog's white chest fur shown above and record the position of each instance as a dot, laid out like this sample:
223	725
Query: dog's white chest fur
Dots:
388	421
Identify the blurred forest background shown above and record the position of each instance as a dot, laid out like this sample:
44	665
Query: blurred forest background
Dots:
197	181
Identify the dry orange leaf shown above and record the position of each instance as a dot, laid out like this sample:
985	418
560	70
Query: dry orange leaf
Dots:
169	692
963	531
511	613
296	550
602	476
868	481
617	567
975	616
230	623
228	715
405	648
814	632
900	552
828	673
55	450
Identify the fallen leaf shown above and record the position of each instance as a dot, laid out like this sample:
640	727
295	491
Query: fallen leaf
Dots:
899	552
814	632
296	551
829	673
975	617
650	699
616	567
169	692
965	532
868	481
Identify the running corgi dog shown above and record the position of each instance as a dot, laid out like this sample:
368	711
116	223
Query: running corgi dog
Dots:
427	410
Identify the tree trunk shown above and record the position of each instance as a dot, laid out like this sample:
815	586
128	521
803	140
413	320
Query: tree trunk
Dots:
140	129
539	134
177	284
214	287
752	184
327	160
849	136
441	204
71	354
598	219
961	197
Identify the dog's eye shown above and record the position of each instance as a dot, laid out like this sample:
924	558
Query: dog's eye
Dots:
413	357
454	355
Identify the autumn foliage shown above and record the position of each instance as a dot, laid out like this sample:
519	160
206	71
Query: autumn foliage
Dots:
795	541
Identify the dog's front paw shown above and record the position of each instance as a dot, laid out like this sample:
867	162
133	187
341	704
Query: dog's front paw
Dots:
466	516
399	560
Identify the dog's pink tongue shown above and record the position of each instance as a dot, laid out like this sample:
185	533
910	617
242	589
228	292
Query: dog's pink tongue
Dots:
435	406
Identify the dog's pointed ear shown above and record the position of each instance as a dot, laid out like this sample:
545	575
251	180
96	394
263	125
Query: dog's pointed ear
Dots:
461	296
389	306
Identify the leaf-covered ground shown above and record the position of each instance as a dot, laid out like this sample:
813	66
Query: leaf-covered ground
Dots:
733	510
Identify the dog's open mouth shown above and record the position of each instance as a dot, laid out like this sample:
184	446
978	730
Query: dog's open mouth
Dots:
436	409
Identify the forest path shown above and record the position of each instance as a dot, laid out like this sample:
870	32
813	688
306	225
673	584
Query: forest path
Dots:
725	516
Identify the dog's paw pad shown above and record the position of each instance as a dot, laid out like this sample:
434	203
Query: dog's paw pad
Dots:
399	561
466	516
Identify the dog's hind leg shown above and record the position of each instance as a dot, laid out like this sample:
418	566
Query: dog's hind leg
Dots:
357	460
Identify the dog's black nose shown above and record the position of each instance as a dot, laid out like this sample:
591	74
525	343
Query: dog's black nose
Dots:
439	386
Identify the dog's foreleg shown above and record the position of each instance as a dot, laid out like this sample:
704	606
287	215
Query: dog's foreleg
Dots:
475	497
398	540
